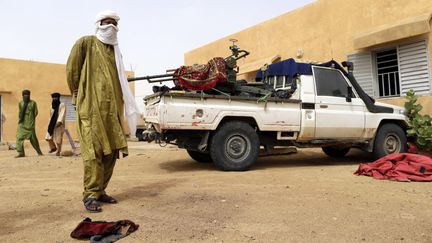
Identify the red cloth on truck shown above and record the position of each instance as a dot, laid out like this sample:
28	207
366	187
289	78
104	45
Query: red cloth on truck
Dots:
399	167
202	76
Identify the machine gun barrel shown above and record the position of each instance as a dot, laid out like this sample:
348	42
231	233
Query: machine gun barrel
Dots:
155	78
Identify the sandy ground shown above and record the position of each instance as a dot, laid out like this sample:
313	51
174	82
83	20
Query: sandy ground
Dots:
303	197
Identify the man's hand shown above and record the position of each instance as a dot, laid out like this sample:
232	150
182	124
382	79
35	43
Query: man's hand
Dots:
59	124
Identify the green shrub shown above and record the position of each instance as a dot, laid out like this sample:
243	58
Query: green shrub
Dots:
420	127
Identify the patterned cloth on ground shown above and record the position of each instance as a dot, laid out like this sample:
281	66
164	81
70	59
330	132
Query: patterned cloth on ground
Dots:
100	231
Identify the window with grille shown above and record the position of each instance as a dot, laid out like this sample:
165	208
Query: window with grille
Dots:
393	72
388	73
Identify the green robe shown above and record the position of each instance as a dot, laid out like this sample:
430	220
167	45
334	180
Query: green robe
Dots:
26	128
92	78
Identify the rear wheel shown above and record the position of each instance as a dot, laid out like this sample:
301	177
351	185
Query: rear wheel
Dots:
234	146
335	152
199	156
390	139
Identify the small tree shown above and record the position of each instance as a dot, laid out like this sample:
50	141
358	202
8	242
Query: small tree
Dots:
420	127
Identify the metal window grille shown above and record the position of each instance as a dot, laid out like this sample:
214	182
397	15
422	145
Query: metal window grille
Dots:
363	66
388	73
412	72
414	68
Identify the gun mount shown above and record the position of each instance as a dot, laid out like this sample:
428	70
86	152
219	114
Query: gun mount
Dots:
231	61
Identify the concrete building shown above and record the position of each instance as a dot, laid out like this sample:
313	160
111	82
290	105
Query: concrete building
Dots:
41	79
389	41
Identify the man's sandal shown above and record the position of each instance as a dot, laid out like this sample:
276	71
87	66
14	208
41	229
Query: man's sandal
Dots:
107	199
92	205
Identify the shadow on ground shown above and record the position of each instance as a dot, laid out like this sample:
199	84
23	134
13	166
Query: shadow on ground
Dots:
300	159
147	191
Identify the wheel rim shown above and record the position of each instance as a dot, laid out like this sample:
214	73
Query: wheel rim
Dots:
237	147
392	144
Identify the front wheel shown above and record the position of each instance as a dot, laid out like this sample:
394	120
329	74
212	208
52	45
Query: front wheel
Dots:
235	146
390	139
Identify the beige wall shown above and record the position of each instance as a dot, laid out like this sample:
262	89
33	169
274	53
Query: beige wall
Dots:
425	101
41	79
324	30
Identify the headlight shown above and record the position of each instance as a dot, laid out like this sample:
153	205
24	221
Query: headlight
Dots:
402	112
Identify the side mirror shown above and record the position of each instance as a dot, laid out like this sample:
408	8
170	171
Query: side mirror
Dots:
349	94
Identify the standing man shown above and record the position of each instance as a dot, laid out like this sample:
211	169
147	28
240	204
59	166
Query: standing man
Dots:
56	125
26	124
97	80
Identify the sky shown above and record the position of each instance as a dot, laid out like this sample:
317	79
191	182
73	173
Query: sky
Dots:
153	36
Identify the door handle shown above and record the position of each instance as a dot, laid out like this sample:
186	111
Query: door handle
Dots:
323	106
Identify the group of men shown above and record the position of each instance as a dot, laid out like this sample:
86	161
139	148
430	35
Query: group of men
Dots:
26	124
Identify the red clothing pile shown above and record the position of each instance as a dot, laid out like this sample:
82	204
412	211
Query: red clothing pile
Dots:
399	167
202	77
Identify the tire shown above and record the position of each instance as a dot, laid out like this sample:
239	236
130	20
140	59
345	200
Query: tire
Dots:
234	146
389	139
335	152
200	157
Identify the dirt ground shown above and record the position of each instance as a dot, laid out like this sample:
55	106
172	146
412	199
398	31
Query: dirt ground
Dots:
303	197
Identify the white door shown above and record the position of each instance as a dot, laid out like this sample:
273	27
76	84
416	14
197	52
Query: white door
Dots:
335	116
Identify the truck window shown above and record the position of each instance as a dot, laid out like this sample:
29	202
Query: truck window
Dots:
330	82
280	82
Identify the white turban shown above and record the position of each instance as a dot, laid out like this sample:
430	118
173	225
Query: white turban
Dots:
107	33
107	14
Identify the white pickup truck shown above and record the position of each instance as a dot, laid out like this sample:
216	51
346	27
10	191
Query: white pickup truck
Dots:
327	109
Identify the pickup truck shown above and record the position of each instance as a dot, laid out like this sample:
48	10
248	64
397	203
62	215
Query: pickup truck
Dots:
327	108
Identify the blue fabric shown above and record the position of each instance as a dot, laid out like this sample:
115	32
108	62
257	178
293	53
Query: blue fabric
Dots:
291	68
288	67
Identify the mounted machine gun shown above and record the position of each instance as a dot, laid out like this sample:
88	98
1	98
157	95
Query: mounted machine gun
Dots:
219	75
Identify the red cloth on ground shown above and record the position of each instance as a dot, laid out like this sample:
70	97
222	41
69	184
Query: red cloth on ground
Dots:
202	77
88	228
399	167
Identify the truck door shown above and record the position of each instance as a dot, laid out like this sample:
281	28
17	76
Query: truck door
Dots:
336	116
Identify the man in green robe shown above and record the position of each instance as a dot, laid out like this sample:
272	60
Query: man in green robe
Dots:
26	124
95	82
